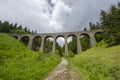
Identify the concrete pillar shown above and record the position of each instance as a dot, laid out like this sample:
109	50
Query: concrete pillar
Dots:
66	46
19	38
54	47
42	44
79	48
30	42
92	40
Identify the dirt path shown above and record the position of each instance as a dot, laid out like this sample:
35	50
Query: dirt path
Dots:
62	72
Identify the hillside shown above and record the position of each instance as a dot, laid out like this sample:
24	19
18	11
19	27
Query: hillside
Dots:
19	63
99	63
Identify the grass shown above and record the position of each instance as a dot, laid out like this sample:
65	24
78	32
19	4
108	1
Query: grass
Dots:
19	63
99	63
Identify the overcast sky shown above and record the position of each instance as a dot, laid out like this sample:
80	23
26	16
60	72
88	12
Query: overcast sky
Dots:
47	16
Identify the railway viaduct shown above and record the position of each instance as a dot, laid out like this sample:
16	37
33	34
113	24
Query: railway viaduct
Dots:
65	35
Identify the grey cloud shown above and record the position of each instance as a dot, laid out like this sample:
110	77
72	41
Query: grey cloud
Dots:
37	14
26	13
83	12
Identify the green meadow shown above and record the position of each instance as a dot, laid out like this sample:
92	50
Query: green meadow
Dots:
17	62
99	63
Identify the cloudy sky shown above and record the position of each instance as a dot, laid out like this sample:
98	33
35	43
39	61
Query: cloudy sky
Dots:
48	16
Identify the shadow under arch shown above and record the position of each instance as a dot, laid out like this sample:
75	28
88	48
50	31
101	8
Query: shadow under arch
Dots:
36	44
16	37
48	44
25	40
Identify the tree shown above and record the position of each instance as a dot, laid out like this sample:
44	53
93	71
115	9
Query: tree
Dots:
110	22
85	42
48	45
15	26
5	27
85	29
59	48
35	31
25	29
20	27
73	45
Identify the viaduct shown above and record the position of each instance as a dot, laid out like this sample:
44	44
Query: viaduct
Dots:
65	35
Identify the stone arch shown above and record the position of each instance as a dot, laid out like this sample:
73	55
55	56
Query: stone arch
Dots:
59	36
36	44
72	44
71	35
85	41
48	44
86	34
48	37
65	35
25	40
60	48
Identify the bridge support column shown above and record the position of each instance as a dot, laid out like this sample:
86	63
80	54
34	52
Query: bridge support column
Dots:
66	46
92	40
19	38
30	43
54	47
42	44
79	48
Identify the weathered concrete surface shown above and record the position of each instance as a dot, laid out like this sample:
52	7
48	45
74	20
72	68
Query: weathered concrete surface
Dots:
63	73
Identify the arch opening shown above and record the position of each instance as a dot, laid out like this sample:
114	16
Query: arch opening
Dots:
60	45
15	37
25	40
48	44
36	44
85	41
72	44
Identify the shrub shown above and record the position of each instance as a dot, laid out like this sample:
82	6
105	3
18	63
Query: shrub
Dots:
101	43
70	54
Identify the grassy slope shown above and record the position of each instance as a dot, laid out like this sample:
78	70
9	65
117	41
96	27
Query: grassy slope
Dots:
98	63
19	63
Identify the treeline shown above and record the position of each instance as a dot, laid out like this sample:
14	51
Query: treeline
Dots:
110	24
6	27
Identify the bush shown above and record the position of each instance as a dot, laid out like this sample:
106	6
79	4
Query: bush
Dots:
70	54
101	43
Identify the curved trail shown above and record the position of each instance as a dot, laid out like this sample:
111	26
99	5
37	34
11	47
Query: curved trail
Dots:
62	72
